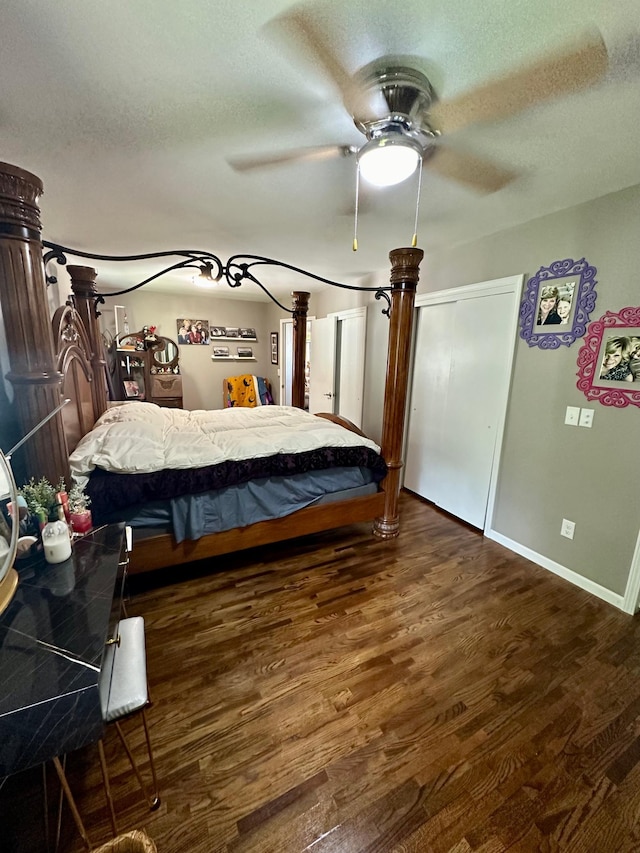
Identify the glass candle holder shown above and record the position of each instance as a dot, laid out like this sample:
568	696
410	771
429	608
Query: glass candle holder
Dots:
56	542
81	521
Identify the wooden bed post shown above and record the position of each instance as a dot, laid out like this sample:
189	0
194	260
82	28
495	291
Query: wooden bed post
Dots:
300	309
405	264
23	293
83	286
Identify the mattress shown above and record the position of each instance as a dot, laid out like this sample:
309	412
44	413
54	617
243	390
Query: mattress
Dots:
203	472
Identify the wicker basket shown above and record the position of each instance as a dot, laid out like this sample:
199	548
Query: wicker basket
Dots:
131	842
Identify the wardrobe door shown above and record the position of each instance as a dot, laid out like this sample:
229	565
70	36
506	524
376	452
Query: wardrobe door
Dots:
458	399
425	469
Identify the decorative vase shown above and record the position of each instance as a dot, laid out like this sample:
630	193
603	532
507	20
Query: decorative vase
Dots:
81	521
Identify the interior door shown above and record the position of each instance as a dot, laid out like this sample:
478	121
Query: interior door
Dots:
286	361
425	468
458	401
322	374
351	334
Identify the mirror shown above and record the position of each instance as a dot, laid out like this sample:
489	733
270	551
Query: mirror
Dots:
168	354
9	533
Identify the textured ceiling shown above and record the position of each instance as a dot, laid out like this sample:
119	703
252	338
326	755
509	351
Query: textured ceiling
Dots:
128	111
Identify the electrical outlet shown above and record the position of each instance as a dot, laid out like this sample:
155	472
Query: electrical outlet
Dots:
572	415
568	528
586	418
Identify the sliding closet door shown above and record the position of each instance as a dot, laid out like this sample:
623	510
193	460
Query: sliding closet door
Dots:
460	387
425	468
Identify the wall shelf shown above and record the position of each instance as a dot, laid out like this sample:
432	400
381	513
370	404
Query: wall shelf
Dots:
232	358
214	338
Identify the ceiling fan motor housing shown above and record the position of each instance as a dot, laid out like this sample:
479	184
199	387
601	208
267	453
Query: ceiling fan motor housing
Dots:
408	95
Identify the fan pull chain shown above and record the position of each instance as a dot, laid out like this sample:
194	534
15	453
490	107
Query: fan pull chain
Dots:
414	239
355	223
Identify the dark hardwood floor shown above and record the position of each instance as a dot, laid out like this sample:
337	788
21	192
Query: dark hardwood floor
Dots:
435	694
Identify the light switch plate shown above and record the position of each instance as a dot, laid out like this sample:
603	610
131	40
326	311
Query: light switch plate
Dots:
586	418
572	415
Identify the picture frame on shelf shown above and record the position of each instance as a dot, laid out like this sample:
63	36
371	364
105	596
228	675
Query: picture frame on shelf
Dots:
232	332
557	303
131	389
220	352
245	352
273	337
218	332
248	333
609	359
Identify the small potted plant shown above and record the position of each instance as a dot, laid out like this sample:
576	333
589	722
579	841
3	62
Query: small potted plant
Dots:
40	497
80	514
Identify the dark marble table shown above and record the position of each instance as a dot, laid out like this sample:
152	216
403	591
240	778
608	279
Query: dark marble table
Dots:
52	641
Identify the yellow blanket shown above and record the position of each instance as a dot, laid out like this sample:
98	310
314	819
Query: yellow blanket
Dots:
242	391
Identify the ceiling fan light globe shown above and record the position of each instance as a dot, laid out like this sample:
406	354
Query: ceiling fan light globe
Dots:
384	162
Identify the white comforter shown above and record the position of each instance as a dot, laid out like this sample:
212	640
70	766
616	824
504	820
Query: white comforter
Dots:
140	438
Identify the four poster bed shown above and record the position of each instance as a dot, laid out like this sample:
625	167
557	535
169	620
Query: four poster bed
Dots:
47	366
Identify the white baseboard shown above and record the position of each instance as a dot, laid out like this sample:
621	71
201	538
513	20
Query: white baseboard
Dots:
568	575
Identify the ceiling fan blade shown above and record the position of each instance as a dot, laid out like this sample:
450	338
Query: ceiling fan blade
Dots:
298	26
316	152
475	172
577	66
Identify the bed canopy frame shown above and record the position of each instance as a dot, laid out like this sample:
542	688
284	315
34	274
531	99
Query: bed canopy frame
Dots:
49	361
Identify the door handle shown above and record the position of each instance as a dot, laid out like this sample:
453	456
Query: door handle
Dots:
328	395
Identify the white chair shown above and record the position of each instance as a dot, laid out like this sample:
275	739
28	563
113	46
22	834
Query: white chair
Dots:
123	692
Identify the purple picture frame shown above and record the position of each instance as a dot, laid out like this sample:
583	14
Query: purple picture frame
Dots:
621	326
580	277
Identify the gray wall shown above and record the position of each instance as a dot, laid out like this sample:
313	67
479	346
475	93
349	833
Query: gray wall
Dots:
202	377
550	471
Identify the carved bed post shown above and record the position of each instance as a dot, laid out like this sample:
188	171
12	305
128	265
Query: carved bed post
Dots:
83	285
23	293
300	309
405	264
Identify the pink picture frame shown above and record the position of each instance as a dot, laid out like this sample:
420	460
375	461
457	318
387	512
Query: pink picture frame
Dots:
609	359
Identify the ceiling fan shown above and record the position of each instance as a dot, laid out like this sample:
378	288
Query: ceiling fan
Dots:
396	109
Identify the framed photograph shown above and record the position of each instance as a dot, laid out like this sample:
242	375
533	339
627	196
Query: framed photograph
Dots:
218	332
221	352
274	347
131	388
609	359
557	304
245	352
233	332
248	333
192	331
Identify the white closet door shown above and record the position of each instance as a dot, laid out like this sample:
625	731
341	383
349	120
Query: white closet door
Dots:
425	468
459	394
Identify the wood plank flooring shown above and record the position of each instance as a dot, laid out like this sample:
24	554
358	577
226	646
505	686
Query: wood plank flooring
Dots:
432	694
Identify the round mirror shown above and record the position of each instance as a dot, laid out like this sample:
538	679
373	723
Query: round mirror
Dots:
168	354
9	532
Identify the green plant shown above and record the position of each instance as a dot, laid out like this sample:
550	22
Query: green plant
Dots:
40	496
78	500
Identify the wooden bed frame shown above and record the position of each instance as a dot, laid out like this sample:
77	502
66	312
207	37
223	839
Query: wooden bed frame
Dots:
48	365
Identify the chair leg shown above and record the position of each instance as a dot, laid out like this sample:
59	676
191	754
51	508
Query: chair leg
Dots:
107	787
156	791
56	845
72	804
154	801
45	807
